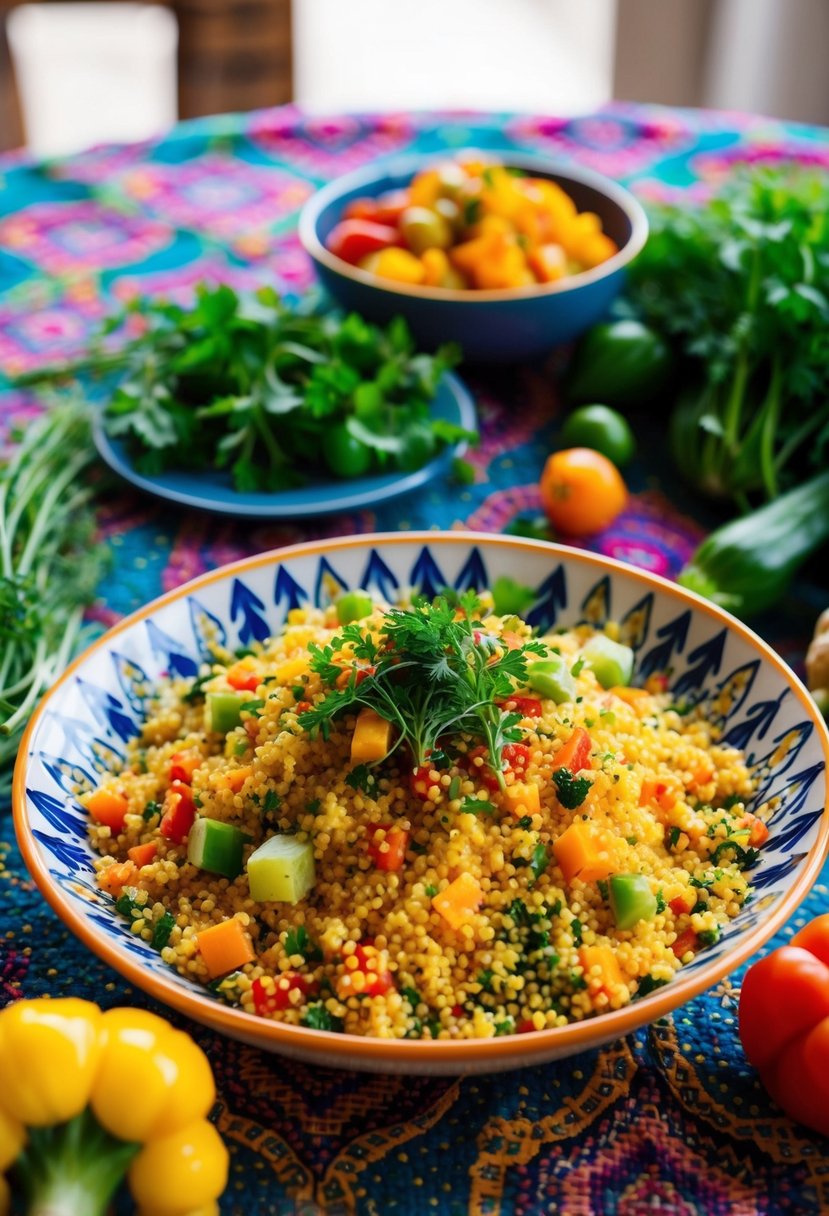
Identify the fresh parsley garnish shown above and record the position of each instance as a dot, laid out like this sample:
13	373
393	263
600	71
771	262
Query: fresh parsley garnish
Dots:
437	672
477	806
151	810
362	778
317	1017
648	984
660	902
540	861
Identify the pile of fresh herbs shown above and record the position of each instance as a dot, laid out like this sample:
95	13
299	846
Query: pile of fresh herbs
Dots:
275	394
740	288
433	672
50	564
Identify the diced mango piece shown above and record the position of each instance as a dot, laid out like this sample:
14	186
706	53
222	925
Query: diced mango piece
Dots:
371	739
400	265
548	263
459	901
290	670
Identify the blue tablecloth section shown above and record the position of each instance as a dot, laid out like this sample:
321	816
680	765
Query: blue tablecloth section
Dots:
669	1121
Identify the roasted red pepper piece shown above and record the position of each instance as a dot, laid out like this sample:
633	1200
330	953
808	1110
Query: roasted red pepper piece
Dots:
179	812
352	240
397	839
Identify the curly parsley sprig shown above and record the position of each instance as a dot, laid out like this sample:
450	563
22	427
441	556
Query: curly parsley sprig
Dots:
435	671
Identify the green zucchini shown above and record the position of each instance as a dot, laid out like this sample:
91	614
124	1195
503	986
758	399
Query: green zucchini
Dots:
747	564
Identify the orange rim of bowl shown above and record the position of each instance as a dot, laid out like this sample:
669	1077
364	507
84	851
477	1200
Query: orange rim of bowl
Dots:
632	208
353	1050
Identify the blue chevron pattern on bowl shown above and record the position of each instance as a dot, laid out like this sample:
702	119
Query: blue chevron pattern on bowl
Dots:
83	724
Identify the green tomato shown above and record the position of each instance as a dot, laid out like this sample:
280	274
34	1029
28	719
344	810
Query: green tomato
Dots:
602	429
623	363
345	455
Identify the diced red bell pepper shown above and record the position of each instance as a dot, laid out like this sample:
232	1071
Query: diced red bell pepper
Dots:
352	240
525	1027
681	905
575	752
361	209
179	812
527	707
457	1011
420	781
378	978
183	765
515	759
686	941
397	840
242	678
391	205
272	995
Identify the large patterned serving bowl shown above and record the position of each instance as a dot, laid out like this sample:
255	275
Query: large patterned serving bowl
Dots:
83	724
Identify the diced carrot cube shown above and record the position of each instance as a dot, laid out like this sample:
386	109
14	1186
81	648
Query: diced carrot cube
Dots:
657	792
459	901
686	941
759	832
143	854
224	947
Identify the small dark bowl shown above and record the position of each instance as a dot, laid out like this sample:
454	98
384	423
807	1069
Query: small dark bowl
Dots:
492	326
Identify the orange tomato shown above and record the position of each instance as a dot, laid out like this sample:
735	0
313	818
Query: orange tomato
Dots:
581	491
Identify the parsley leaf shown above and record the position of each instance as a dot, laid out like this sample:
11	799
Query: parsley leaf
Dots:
298	941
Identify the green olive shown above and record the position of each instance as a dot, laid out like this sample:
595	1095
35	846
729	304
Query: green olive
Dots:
424	229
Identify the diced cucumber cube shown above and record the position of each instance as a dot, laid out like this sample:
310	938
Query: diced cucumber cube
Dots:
551	677
353	606
611	662
223	711
216	847
631	900
281	870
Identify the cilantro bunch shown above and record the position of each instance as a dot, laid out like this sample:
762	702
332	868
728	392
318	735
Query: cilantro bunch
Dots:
435	673
740	286
273	394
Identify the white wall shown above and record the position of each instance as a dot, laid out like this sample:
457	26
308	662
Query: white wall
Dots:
554	56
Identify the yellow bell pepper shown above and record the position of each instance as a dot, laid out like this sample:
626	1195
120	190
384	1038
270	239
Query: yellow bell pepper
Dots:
86	1096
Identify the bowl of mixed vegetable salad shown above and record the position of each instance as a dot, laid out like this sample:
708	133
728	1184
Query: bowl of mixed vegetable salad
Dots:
508	255
425	802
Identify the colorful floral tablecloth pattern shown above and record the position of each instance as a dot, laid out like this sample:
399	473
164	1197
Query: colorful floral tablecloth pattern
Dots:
669	1121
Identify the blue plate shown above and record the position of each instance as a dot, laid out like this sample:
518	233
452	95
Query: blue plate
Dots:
213	491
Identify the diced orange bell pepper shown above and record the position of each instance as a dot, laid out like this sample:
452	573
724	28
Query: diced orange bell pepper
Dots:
659	793
759	832
458	902
242	677
108	809
236	778
389	853
583	854
224	947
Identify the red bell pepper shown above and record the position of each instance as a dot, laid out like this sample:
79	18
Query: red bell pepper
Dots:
242	678
515	758
420	781
527	707
784	1024
352	240
179	813
272	995
183	765
397	840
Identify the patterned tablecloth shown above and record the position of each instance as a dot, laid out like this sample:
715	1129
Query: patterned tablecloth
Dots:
671	1120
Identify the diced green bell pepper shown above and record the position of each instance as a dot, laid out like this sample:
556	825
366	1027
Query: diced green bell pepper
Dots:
551	677
281	870
216	847
611	662
223	710
631	900
353	606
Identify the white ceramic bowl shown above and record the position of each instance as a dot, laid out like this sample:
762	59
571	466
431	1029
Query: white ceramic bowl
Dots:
84	722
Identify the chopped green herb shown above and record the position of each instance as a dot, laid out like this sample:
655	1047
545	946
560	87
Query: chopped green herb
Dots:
576	929
673	837
251	707
363	779
485	980
298	691
505	1027
708	937
431	890
648	984
411	995
454	788
150	810
317	1017
162	929
571	790
660	902
477	806
575	670
578	982
298	941
540	860
313	806
525	822
604	890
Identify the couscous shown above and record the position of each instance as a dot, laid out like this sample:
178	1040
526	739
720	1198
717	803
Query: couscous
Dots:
426	822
